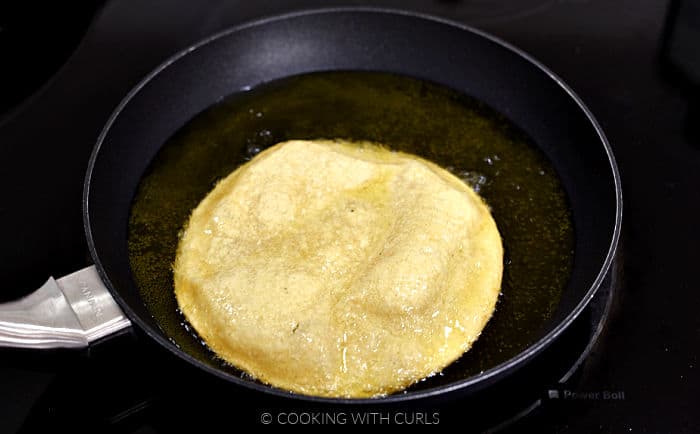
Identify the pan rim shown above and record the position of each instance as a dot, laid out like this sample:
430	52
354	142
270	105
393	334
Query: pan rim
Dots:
483	379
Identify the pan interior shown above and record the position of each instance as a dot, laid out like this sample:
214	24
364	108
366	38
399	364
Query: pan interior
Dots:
457	132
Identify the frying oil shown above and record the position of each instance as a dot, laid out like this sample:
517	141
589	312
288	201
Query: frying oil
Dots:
453	130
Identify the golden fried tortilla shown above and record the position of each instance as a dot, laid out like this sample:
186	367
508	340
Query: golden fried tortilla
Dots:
339	269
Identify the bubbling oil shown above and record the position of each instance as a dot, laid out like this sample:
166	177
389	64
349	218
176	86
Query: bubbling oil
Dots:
457	132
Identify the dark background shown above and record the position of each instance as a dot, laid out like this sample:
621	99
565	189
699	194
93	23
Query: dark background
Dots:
634	63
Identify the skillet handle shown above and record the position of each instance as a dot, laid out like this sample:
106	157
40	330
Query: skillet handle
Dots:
70	312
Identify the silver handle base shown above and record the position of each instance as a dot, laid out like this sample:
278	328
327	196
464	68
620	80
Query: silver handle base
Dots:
70	312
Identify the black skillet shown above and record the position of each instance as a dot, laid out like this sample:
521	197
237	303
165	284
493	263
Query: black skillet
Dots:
432	49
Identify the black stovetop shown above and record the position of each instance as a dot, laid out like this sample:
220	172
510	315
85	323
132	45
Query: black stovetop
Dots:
611	53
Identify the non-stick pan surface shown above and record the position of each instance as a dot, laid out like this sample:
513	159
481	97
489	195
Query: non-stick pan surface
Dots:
356	39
